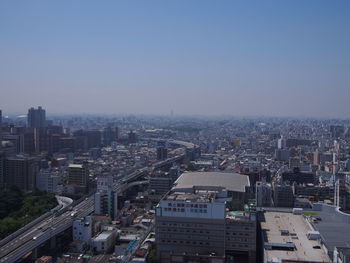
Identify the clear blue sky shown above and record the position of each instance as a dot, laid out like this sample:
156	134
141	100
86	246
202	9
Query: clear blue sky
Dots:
279	58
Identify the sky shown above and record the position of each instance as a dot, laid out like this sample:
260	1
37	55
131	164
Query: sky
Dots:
192	57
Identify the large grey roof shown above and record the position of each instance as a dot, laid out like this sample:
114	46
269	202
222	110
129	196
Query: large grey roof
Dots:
212	180
334	230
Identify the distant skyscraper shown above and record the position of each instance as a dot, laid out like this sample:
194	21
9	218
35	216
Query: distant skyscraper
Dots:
132	137
36	118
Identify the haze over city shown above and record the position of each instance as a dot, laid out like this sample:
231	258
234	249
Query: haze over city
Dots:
270	58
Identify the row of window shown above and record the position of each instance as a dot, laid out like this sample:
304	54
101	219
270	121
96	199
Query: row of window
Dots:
187	205
183	210
185	230
188	225
237	234
237	239
186	242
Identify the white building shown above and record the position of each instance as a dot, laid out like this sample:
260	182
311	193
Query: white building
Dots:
82	230
104	242
47	181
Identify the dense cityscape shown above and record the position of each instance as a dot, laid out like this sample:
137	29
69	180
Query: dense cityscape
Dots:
104	188
174	131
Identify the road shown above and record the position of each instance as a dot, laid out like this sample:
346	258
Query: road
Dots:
53	225
43	231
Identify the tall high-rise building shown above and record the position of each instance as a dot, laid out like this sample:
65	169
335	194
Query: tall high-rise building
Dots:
109	135
106	202
162	153
36	118
263	194
20	171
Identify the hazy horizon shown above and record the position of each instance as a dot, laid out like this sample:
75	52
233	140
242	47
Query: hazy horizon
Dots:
234	58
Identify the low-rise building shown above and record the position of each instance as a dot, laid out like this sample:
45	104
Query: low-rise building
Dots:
104	242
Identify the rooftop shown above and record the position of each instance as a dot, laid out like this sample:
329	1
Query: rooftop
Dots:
285	237
203	197
333	226
103	236
75	166
211	180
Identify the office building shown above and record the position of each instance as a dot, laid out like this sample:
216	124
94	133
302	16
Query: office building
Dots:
82	230
162	153
109	135
282	155
47	181
196	222
283	196
36	118
78	174
263	194
93	138
160	185
106	203
340	193
299	177
21	171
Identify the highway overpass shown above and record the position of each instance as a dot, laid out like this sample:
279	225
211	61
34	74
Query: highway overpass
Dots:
46	229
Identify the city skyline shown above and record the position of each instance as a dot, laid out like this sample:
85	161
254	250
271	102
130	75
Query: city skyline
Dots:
195	58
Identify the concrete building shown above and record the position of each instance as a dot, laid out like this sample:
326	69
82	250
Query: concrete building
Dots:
109	135
82	230
285	238
93	138
263	194
160	184
283	196
47	181
78	174
20	171
36	118
341	193
104	242
106	203
294	162
195	221
162	153
282	155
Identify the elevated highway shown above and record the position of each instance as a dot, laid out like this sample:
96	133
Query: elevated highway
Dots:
40	231
43	231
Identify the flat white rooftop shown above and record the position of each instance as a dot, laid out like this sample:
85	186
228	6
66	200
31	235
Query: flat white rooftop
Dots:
285	230
209	180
